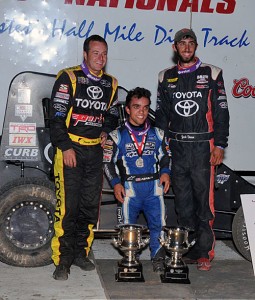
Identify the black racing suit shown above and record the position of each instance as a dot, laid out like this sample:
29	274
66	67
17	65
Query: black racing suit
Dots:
80	110
192	108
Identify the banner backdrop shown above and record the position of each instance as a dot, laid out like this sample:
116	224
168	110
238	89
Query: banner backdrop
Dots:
47	35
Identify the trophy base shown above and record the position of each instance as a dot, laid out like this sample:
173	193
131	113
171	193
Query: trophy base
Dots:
175	275
130	274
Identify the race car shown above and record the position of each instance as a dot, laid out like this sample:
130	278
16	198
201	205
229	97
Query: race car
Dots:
27	197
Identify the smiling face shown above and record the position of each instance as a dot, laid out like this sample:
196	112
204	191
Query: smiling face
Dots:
138	110
185	50
96	57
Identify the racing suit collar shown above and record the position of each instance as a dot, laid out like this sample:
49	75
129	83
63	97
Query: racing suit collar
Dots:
190	69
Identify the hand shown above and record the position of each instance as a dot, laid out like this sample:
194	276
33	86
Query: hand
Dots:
69	158
103	137
119	192
217	156
165	180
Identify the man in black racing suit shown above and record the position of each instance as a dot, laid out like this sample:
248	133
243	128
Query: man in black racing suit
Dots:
192	108
82	113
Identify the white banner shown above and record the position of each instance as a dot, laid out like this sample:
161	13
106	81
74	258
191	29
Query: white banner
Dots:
47	35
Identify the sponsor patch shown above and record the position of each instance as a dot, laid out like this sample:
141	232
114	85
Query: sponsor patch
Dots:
63	88
201	86
108	147
62	96
109	142
202	79
172	79
222	98
149	145
88	120
59	107
222	178
57	100
83	80
222	91
107	157
105	83
129	146
59	114
223	105
171	86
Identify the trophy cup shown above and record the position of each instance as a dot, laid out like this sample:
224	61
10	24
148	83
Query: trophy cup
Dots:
175	241
130	243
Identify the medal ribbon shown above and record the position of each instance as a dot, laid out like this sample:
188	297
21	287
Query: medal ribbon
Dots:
139	147
147	126
190	69
91	76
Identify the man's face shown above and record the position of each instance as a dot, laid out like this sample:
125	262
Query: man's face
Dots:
138	110
96	57
185	50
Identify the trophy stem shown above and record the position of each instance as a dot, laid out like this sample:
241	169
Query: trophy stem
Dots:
176	260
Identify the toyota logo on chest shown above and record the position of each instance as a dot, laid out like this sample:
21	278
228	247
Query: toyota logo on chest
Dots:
186	108
95	92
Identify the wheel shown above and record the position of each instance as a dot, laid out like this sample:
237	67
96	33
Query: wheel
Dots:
240	236
27	208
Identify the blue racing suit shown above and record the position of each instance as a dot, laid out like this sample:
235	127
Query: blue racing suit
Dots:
143	192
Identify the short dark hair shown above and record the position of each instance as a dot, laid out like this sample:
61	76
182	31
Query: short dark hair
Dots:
94	38
138	92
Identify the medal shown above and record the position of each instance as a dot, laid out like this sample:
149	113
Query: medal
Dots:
138	146
139	162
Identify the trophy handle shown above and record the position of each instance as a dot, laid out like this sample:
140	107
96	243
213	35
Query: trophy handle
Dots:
115	242
144	242
191	243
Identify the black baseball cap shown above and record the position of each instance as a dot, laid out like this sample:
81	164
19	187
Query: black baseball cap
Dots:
185	32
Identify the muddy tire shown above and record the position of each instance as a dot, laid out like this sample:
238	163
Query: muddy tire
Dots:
240	236
26	222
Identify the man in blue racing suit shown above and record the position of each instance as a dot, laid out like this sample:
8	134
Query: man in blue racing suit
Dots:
141	156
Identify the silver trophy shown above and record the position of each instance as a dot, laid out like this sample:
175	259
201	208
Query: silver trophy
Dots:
130	242
175	242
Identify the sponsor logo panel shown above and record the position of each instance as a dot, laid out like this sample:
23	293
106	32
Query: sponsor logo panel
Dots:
21	153
22	139
15	127
24	95
23	111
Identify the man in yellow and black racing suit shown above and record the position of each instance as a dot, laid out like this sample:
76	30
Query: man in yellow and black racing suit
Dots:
82	112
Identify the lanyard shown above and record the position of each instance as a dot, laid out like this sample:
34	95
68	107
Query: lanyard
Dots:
132	132
190	69
91	76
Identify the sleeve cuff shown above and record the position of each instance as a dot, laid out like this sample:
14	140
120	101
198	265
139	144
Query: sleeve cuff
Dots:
114	181
165	171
